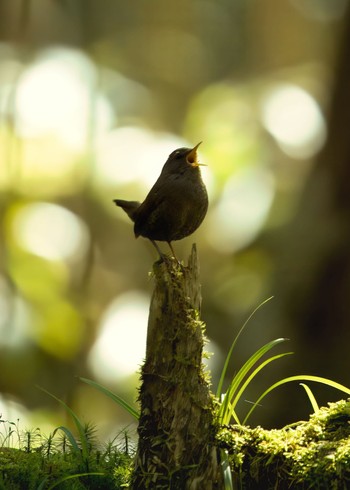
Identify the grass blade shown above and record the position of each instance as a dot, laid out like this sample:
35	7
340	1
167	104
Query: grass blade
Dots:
301	377
117	399
71	477
311	397
240	376
78	423
70	437
227	413
228	357
253	374
225	466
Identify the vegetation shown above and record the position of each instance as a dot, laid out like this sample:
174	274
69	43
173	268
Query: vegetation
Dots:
309	454
44	462
312	454
92	100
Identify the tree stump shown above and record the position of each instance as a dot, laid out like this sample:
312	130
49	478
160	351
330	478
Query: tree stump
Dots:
176	448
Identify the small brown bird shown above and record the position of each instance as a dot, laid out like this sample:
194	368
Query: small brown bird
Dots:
177	203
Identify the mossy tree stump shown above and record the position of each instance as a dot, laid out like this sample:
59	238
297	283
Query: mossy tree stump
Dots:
176	448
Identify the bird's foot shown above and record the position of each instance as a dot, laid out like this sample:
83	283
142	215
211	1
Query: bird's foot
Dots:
168	259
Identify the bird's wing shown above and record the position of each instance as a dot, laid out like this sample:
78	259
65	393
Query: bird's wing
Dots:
147	215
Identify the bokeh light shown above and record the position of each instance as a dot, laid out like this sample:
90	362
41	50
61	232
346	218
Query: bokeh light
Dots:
58	329
15	318
12	412
224	117
295	120
134	154
92	102
121	346
50	231
241	210
58	94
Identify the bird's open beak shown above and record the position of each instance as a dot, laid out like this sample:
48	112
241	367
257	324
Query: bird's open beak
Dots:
191	157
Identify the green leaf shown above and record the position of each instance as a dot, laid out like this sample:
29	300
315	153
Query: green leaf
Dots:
301	377
226	470
117	399
78	423
239	394
70	437
234	391
71	477
228	357
311	397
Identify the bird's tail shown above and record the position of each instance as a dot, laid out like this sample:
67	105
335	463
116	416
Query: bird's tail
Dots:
130	207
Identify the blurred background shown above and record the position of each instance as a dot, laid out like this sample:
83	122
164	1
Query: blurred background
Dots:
94	95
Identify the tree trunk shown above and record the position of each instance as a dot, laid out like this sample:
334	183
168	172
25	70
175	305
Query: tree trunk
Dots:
176	448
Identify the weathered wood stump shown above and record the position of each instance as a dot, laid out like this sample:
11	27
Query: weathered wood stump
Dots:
176	448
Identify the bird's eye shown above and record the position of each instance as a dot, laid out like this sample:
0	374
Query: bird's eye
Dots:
175	154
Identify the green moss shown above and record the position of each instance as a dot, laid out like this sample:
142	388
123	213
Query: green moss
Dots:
309	455
312	454
22	470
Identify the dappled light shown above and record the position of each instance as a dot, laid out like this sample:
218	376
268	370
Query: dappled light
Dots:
121	345
58	94
224	116
295	120
15	319
92	102
242	209
16	412
43	229
133	155
59	331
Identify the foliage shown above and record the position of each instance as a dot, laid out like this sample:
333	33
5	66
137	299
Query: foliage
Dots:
31	461
247	373
238	385
312	454
36	469
229	401
114	397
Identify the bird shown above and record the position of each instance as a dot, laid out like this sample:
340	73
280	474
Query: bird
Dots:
175	206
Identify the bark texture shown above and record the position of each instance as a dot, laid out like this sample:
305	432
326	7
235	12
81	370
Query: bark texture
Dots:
176	447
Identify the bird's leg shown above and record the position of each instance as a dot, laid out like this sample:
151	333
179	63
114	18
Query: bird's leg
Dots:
173	252
158	249
162	255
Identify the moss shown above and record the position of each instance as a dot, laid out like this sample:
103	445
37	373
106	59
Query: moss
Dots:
309	455
22	470
312	454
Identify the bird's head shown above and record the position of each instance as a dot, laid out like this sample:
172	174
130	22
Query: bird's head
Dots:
183	158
